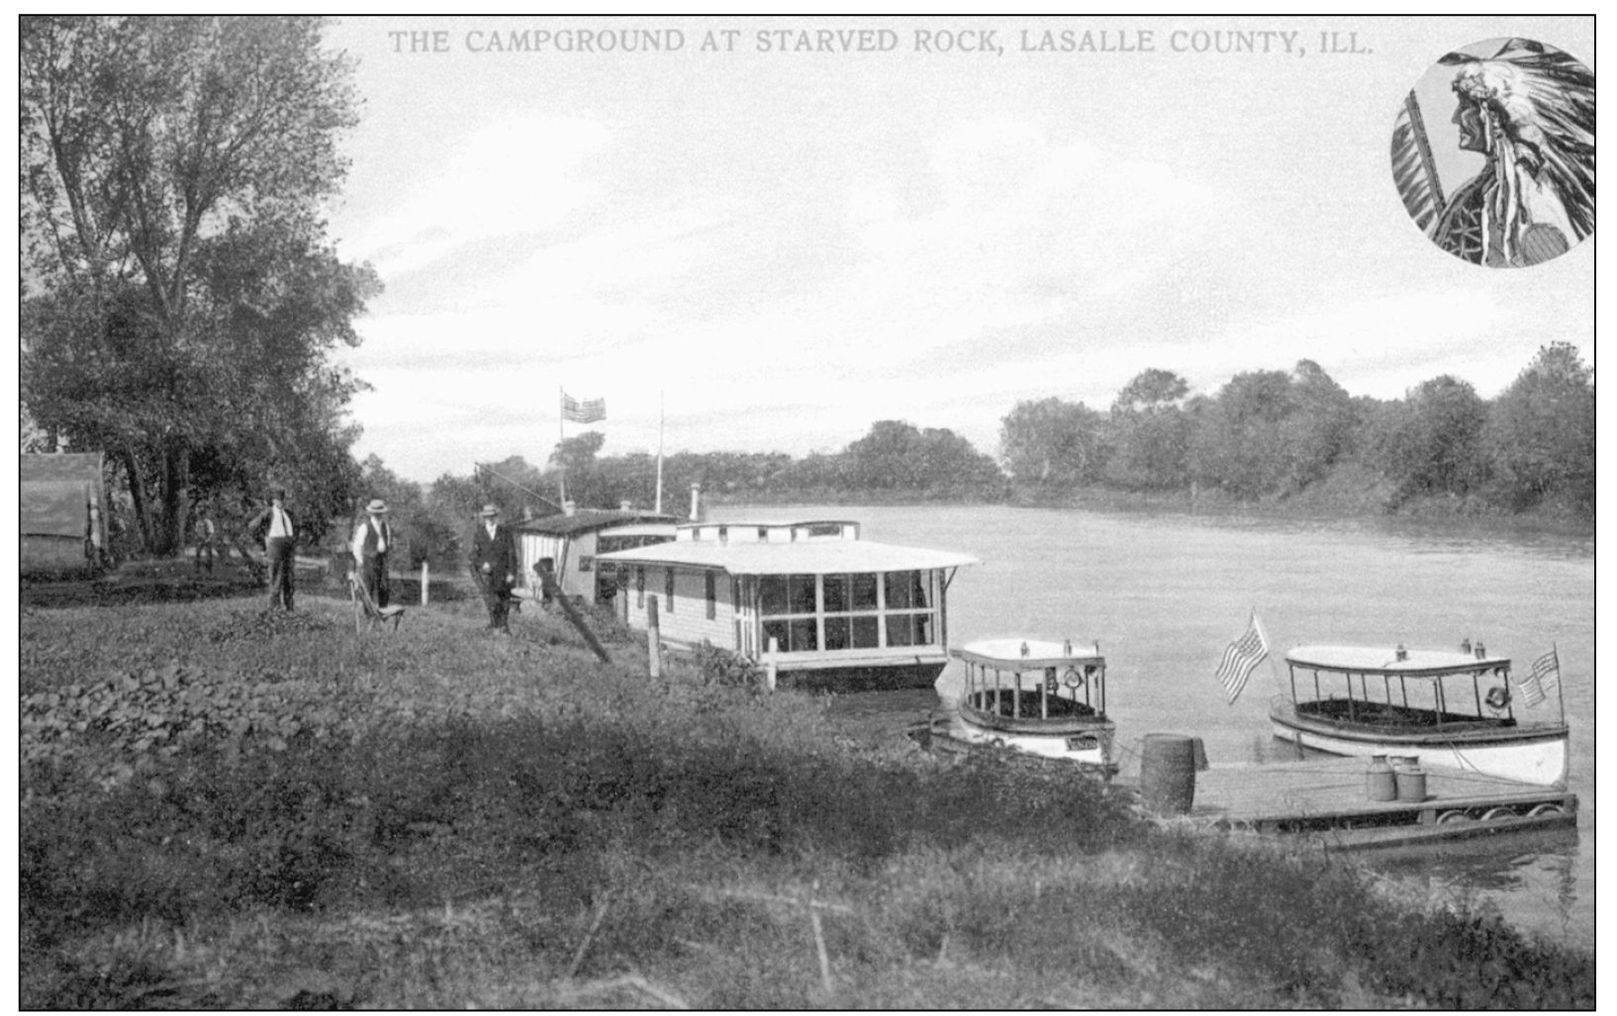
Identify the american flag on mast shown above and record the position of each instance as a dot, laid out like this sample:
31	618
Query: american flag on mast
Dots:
1240	657
587	411
1546	674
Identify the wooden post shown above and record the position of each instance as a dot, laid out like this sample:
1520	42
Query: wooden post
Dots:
425	571
769	663
549	587
654	639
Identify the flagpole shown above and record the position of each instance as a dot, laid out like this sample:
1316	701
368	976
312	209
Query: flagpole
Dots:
660	414
1268	649
1560	682
561	438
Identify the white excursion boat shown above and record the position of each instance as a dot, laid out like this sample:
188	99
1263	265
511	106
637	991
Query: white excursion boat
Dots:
807	599
1039	697
1451	708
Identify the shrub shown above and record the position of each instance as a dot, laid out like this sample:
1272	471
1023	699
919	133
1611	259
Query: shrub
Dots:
725	667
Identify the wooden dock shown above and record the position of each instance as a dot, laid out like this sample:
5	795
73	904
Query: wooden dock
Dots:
1326	799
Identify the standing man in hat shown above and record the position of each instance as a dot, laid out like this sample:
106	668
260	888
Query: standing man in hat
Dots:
274	525
494	563
373	538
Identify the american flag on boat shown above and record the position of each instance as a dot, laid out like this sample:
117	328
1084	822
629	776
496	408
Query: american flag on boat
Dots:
588	411
1240	657
1545	674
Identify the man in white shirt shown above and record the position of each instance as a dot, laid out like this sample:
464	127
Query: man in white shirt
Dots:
373	538
279	533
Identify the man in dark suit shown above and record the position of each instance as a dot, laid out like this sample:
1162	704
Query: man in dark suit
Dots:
373	539
274	525
494	564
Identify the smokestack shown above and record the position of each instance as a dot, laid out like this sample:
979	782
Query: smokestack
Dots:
696	502
569	507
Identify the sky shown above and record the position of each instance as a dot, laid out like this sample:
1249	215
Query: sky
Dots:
770	248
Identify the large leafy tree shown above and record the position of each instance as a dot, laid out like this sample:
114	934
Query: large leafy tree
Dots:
898	456
1053	441
1434	444
1320	426
1150	431
180	297
1239	443
1540	434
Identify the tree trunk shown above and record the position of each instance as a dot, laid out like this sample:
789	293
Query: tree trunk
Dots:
176	481
137	499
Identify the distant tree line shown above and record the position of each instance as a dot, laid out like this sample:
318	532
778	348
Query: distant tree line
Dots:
1271	435
1264	436
895	460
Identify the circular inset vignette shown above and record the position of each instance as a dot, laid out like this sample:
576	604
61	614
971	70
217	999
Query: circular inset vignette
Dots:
1493	153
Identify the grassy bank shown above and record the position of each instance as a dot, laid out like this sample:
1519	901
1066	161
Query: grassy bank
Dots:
222	808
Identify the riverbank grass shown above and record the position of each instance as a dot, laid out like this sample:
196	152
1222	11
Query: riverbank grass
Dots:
223	808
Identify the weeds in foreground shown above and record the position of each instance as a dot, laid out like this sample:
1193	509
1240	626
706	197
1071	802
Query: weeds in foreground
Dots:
503	823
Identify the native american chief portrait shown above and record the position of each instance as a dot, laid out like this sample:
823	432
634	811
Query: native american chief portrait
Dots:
1528	111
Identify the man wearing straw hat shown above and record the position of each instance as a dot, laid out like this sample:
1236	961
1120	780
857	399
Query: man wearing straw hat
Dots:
373	538
494	565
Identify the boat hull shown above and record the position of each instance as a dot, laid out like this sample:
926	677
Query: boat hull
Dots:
1529	754
870	677
1088	744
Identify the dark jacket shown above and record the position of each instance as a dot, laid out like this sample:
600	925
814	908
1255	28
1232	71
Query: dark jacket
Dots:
498	552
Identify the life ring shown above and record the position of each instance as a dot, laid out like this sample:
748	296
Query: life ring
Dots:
1498	697
1072	678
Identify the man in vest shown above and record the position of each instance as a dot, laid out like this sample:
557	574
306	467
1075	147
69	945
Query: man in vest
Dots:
494	564
373	538
275	527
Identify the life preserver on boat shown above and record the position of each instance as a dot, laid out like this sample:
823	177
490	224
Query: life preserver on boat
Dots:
1072	678
1498	697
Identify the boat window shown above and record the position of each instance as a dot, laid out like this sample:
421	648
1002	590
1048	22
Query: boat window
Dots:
864	591
837	632
712	588
792	635
805	634
772	593
836	595
800	594
639	585
909	629
906	590
668	588
846	610
866	632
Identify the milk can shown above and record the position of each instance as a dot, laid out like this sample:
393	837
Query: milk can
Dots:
1411	784
1380	783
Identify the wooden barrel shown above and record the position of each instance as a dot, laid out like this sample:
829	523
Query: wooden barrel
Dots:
1168	773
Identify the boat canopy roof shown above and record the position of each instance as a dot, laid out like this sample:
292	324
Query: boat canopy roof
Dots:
1382	660
1008	654
586	519
810	557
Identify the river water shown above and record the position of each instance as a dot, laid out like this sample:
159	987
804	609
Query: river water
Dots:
1163	594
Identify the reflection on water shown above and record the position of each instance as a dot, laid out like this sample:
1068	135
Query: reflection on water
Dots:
1164	593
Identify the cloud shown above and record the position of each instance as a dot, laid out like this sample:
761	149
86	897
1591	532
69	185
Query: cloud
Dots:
517	175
